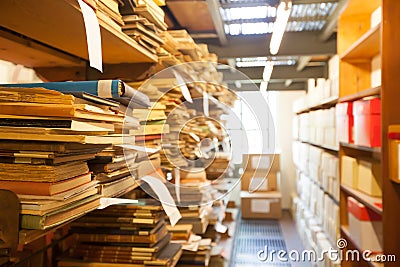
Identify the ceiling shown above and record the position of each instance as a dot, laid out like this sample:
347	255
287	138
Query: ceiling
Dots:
239	32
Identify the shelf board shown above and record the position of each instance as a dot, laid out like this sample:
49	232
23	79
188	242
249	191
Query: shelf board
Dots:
326	103
374	150
326	147
320	187
366	47
63	29
346	234
375	91
368	201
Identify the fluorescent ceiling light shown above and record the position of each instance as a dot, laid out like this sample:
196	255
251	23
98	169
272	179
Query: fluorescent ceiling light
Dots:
263	86
269	66
282	18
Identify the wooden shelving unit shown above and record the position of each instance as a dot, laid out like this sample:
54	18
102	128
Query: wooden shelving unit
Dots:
54	43
374	203
365	47
345	232
358	43
326	147
326	103
376	91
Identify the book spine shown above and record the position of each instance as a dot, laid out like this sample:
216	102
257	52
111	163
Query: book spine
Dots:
32	222
101	88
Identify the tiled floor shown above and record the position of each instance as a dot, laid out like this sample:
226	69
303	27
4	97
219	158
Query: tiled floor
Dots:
267	235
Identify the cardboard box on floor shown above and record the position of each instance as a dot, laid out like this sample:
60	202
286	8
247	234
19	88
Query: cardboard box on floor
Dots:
261	205
259	181
261	162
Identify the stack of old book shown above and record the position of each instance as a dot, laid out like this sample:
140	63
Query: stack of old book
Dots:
144	21
186	45
46	139
123	235
152	126
113	170
108	11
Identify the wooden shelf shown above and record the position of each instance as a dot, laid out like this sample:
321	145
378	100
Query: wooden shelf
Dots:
27	236
374	150
326	147
63	30
320	186
368	201
346	234
326	103
375	91
366	47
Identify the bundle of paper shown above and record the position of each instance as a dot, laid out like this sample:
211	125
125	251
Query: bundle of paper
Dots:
197	252
144	21
113	170
125	234
109	8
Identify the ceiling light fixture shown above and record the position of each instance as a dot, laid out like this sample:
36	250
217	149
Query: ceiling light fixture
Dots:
282	17
269	66
263	86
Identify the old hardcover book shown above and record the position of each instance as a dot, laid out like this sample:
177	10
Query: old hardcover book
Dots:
41	158
51	148
10	133
42	173
60	216
117	187
64	196
55	123
40	207
124	238
45	188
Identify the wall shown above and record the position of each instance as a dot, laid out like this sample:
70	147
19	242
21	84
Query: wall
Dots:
283	118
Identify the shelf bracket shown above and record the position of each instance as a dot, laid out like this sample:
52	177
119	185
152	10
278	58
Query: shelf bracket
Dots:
9	222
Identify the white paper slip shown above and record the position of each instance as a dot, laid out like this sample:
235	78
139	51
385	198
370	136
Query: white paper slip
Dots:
177	174
108	201
93	37
182	84
205	104
220	228
260	162
260	205
258	183
165	198
141	148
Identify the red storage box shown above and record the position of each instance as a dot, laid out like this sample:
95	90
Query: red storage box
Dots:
344	122
365	226
367	122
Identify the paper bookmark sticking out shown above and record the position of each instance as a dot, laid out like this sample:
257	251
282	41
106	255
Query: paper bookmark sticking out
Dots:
177	174
93	37
205	104
165	198
108	201
149	150
182	85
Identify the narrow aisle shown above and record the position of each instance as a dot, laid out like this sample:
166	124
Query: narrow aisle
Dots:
267	235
